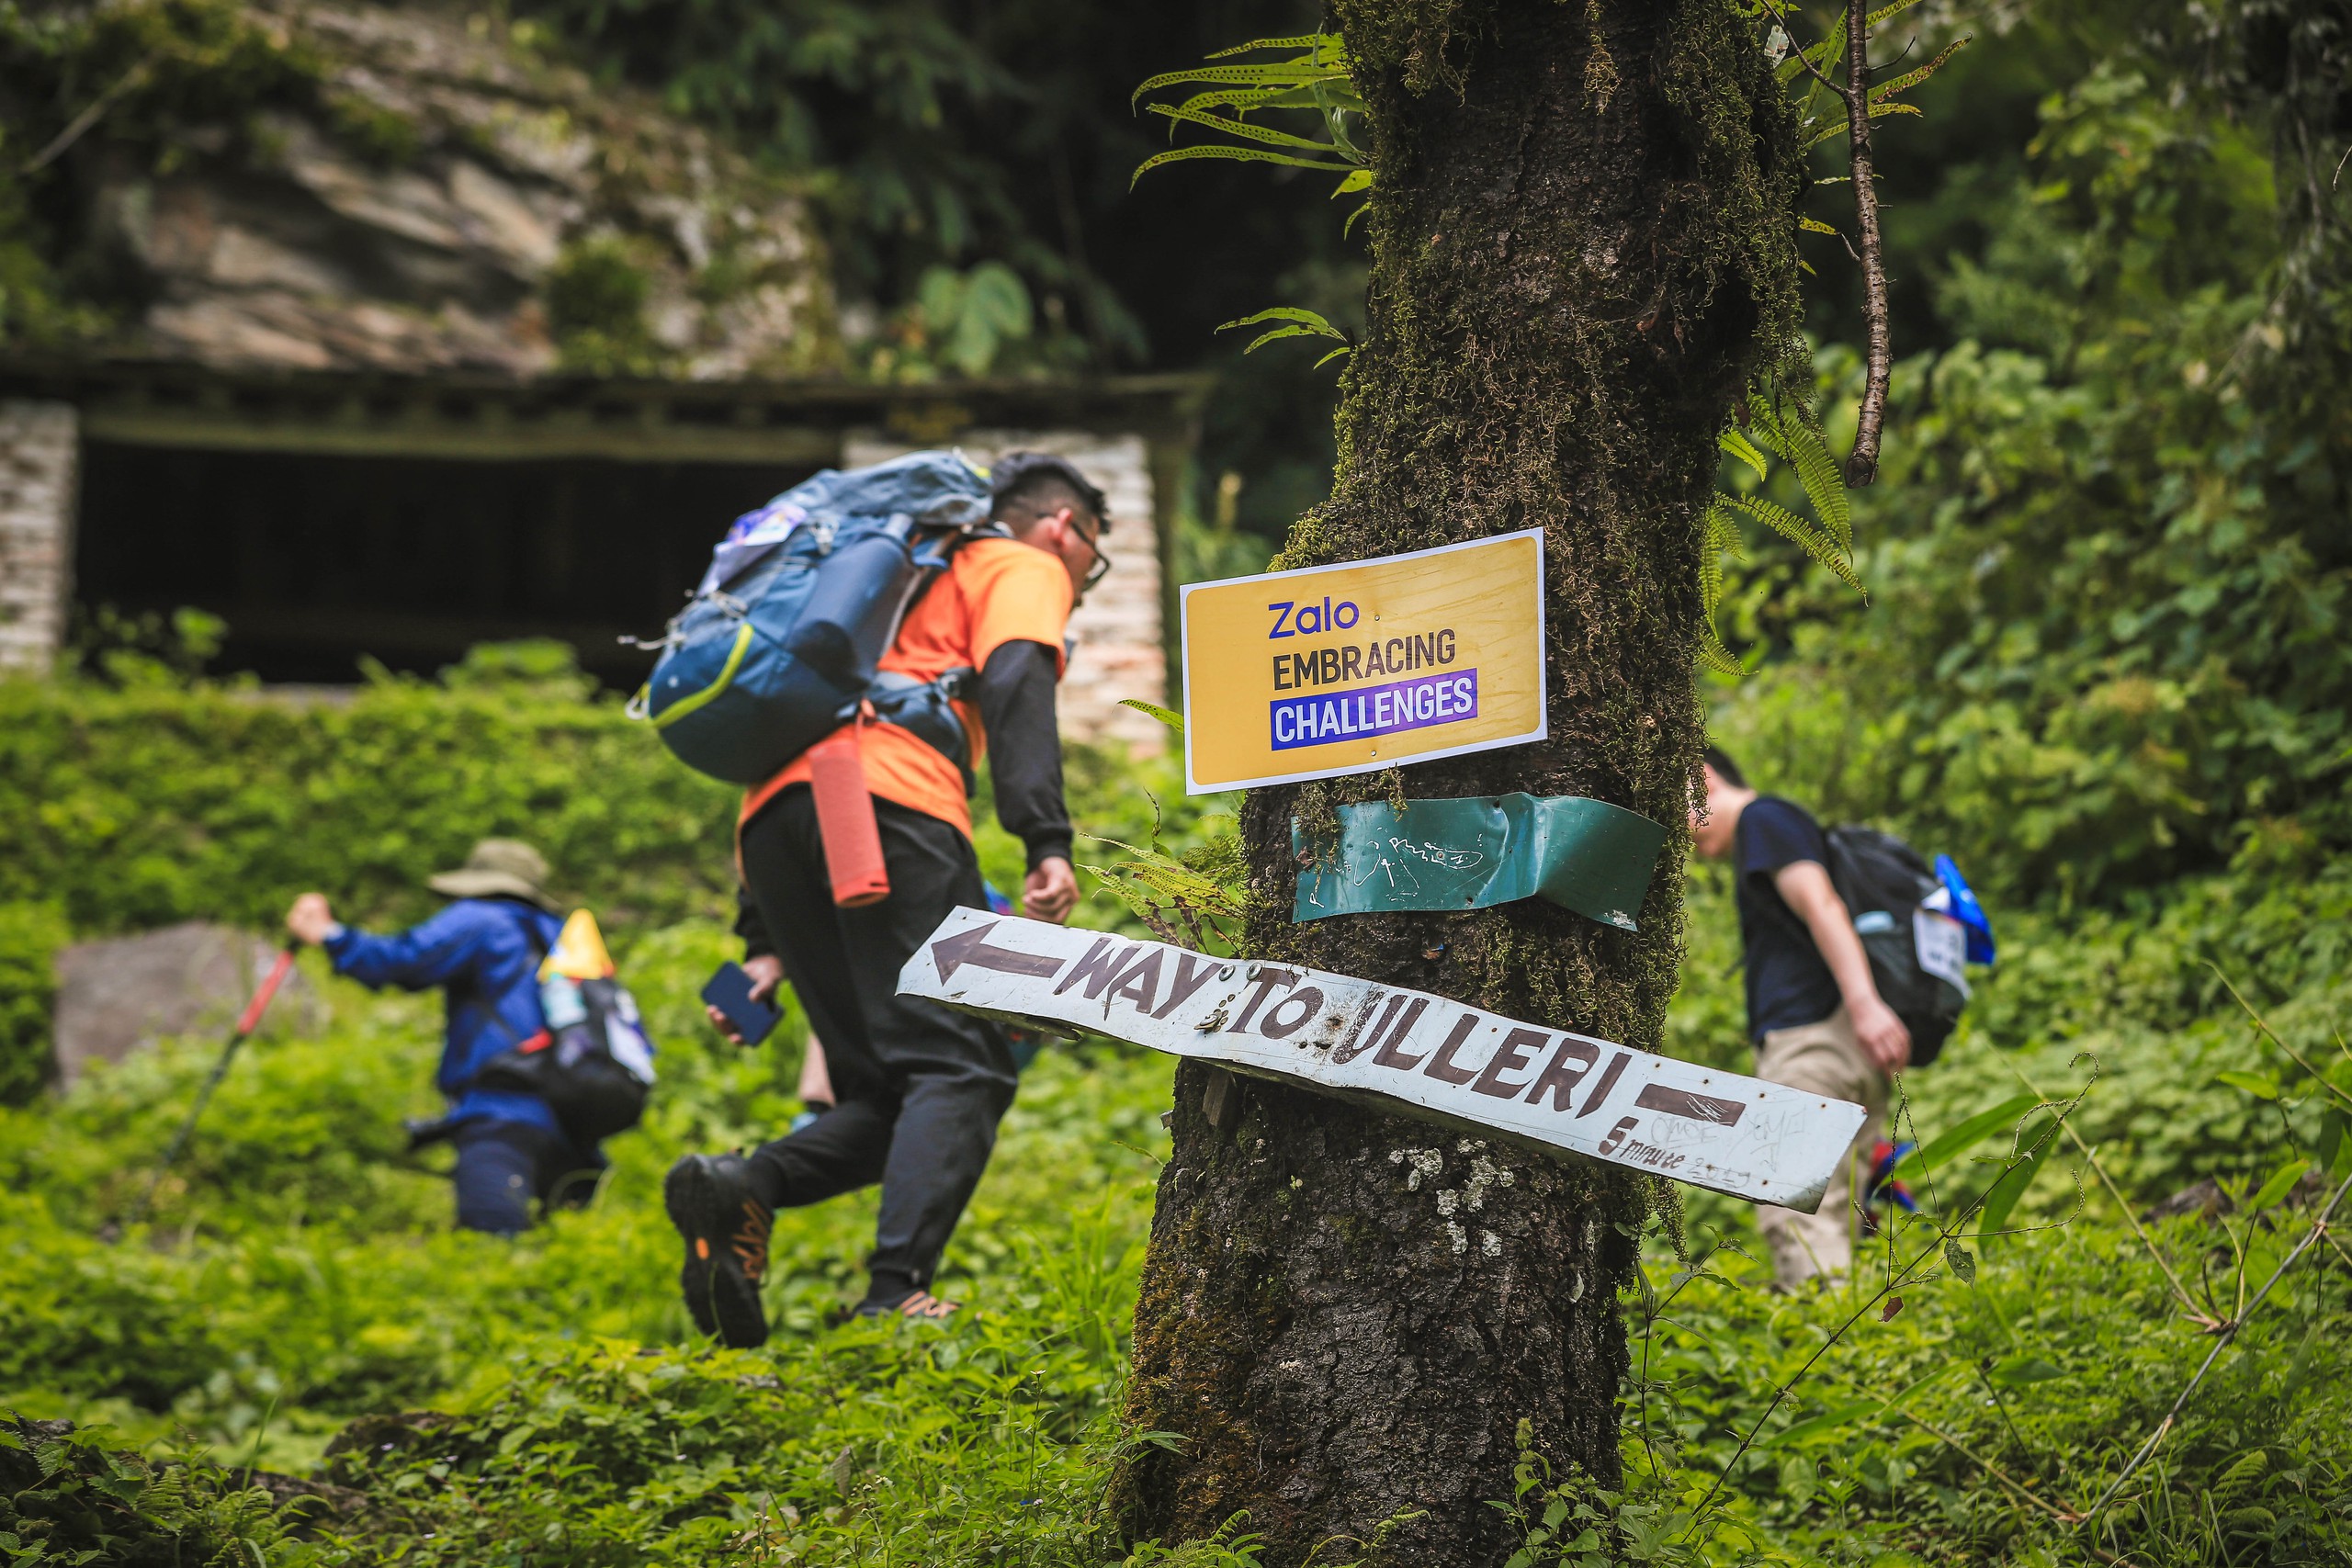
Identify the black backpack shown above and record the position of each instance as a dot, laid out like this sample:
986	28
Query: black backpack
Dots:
593	1065
1884	883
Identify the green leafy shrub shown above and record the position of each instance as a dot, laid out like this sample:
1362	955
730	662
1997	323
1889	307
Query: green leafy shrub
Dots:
979	1443
66	1499
30	935
137	807
2106	642
1916	1437
298	1269
596	293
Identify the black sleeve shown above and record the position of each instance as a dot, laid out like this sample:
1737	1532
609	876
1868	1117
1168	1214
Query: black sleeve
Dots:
750	927
1775	833
1025	747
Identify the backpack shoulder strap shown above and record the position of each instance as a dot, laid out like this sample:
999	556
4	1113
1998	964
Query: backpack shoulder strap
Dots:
531	937
538	947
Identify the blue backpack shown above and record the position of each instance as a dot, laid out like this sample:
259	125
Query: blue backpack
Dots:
777	647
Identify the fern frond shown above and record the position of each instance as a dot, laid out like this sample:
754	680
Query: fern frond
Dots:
1307	320
1243	99
1713	654
1802	533
1842	127
1823	57
1296	322
1239	155
1325	94
1276	335
1881	15
1741	447
1288	72
1791	435
1173	882
1315	43
1719	531
1168	716
1910	79
1265	134
1719	524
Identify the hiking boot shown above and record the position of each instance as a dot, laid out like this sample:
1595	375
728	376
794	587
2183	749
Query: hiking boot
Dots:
916	1306
726	1231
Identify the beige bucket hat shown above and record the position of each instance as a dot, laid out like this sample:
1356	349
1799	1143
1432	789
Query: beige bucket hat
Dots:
498	866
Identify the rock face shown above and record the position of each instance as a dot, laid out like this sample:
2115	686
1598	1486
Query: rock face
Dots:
115	996
453	201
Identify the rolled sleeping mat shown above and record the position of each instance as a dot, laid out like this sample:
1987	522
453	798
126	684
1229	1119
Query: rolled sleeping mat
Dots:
845	822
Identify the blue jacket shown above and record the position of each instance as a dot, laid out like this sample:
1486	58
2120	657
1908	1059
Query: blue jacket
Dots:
476	949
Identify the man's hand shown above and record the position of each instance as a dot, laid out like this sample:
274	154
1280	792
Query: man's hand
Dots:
1051	891
1884	1037
766	972
311	920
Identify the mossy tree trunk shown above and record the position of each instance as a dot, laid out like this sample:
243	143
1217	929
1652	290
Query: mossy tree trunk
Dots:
1583	249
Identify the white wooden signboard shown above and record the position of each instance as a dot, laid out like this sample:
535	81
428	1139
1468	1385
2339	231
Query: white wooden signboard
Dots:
1406	1051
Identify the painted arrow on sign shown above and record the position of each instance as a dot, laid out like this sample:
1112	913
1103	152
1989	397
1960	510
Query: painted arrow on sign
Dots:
1404	1051
953	952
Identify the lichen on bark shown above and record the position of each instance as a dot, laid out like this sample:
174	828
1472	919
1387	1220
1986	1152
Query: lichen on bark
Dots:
1569	288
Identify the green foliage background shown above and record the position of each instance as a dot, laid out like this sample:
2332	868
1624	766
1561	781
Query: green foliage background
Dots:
298	1277
136	806
2105	639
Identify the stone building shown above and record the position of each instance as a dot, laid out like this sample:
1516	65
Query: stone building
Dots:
454	345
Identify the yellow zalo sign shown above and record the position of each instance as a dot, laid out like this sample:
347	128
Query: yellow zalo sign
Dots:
1346	669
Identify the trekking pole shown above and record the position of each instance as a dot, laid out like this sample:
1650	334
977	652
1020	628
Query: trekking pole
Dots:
247	1022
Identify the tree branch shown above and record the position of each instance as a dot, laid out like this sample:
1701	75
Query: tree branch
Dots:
131	80
1861	464
2228	1334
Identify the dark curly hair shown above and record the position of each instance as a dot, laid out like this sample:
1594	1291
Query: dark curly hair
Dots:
1038	482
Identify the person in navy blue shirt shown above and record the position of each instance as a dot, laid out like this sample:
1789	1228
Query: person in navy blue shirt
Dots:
1813	1010
484	952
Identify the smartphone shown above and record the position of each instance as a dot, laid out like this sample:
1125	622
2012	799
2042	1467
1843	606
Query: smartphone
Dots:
729	991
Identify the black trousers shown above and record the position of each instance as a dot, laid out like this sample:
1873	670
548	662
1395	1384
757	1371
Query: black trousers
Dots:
918	1088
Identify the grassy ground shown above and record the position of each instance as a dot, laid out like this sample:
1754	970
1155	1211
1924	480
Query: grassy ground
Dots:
298	1274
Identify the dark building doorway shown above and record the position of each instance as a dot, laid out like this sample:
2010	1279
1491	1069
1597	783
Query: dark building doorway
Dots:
314	560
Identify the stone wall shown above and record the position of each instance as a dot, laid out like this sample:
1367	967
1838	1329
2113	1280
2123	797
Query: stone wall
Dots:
39	456
1119	653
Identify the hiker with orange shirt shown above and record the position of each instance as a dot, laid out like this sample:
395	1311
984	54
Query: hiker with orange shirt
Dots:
918	1088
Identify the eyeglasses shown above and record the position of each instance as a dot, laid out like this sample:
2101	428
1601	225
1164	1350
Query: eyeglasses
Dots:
1102	566
1093	542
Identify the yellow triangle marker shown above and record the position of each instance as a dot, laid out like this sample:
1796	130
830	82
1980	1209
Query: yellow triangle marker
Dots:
578	951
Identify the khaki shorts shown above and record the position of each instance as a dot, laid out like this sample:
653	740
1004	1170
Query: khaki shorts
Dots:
1827	1059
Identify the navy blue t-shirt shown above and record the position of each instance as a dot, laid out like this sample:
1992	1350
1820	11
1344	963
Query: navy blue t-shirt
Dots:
1788	985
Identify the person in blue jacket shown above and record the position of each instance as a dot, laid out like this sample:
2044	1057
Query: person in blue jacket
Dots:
484	952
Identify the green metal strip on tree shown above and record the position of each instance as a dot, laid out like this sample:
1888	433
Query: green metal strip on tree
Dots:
1472	853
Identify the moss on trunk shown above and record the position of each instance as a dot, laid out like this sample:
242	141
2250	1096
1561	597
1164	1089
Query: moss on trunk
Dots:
1583	249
